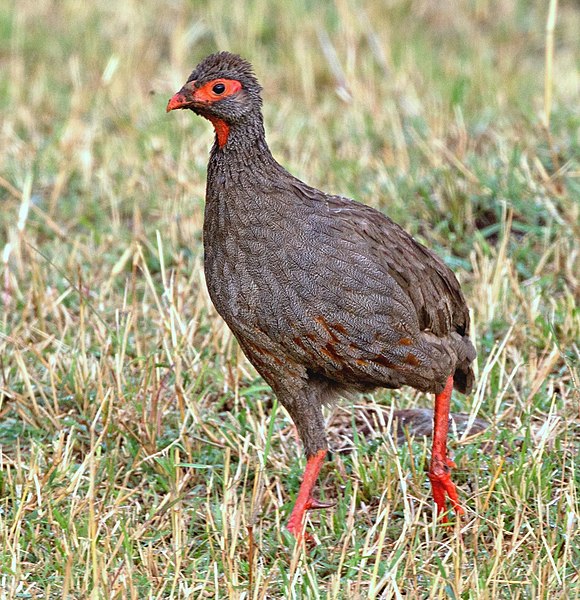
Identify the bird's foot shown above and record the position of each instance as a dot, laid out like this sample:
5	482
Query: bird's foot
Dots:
443	487
296	521
440	468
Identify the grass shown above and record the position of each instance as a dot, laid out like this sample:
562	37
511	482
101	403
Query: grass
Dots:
138	446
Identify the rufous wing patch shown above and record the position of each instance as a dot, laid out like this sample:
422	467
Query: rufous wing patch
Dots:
412	360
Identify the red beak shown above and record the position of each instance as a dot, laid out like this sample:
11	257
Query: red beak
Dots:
177	101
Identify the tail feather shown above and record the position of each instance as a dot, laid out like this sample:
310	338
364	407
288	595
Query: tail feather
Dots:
463	378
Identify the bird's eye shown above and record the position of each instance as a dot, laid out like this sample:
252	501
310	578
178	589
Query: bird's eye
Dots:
218	88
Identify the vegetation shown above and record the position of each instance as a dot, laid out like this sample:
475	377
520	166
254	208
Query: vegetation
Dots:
138	447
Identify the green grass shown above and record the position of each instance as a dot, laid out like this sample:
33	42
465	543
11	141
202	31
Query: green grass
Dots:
137	445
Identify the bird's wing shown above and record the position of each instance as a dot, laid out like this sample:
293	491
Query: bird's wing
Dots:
430	285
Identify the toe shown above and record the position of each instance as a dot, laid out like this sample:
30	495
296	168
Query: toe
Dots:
314	504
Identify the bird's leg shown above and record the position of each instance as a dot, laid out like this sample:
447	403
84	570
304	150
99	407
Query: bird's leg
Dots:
305	501
440	468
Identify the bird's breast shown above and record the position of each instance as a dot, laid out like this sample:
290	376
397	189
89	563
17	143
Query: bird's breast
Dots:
245	267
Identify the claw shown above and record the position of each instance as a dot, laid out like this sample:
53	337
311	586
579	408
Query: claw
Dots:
296	523
314	504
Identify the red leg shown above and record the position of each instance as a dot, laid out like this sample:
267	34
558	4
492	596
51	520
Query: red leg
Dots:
440	468
305	501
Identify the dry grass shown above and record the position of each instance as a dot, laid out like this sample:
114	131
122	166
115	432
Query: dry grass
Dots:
137	444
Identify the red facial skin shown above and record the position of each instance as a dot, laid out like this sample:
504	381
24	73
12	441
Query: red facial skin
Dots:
191	97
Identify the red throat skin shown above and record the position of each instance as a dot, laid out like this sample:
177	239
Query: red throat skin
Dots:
222	130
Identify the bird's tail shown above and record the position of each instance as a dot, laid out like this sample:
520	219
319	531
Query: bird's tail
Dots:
463	378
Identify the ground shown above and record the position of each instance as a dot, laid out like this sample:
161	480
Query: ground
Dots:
138	447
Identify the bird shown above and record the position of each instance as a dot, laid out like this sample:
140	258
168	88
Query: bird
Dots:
326	296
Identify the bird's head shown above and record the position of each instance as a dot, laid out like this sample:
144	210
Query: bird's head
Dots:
223	89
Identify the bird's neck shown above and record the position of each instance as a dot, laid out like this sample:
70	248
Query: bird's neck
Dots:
240	146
